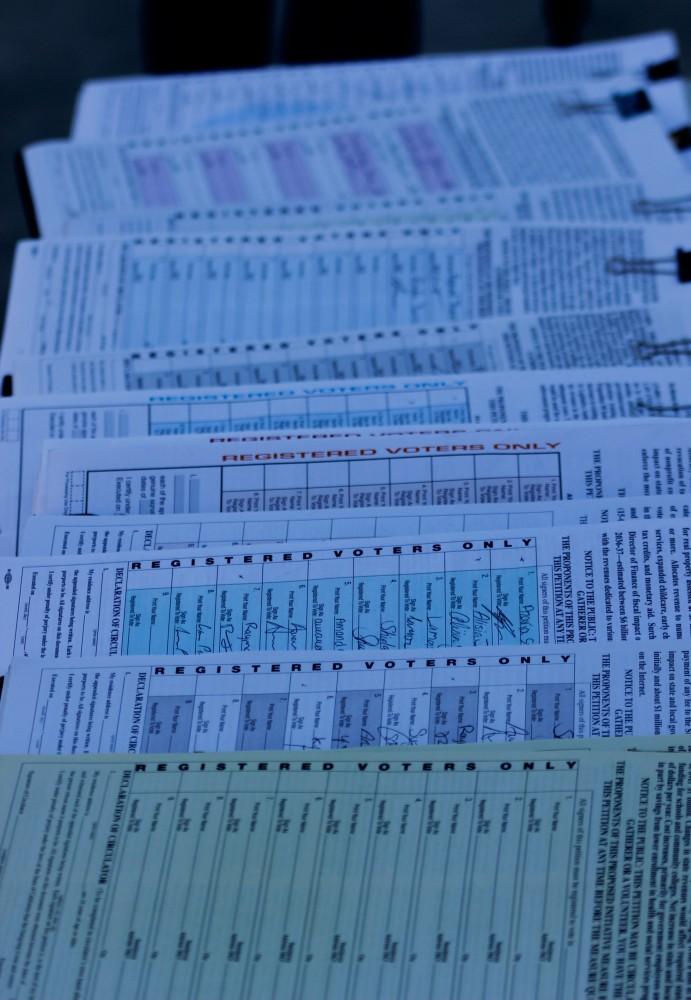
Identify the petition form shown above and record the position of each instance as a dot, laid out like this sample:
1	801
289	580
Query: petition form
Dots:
93	296
453	871
351	699
54	535
536	463
384	166
349	407
26	425
141	107
658	335
476	398
595	583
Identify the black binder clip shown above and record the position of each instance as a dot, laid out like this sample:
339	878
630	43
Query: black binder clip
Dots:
678	267
668	69
25	195
681	138
628	105
661	206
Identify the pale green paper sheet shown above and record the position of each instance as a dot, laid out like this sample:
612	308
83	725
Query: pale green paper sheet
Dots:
491	873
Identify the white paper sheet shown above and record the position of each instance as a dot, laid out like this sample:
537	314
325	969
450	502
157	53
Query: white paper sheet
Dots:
26	422
396	403
658	335
53	535
372	166
92	296
169	105
536	463
352	699
354	407
606	583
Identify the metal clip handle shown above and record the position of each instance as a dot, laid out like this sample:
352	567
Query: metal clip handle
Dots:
661	409
586	107
678	266
647	350
656	206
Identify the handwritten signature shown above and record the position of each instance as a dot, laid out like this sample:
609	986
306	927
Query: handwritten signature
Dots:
459	624
385	639
490	734
526	624
290	632
226	639
443	736
502	623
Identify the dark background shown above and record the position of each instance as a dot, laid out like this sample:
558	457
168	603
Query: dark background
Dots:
47	47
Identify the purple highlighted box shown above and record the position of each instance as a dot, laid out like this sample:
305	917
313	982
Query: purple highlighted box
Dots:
154	181
427	156
291	169
223	175
359	164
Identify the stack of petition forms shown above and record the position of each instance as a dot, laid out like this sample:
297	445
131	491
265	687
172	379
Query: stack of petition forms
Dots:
346	452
